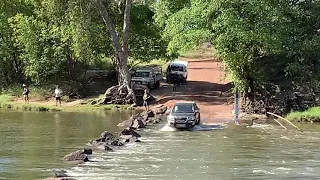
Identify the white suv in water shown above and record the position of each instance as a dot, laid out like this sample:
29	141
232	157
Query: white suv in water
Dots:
184	115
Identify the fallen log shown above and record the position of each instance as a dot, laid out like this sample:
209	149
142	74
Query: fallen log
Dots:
279	123
270	113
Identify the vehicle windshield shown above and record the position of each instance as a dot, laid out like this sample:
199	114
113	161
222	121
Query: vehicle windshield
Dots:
183	108
176	68
141	74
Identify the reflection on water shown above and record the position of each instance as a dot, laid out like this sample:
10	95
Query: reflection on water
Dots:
32	145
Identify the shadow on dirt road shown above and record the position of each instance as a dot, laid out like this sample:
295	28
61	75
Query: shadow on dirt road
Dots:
205	92
206	85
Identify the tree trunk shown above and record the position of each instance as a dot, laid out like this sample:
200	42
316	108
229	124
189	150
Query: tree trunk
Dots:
71	63
121	51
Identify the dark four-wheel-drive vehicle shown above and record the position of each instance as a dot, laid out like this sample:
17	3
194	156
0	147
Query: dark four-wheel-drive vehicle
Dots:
184	115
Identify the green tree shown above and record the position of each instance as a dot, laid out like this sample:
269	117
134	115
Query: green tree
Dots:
51	40
10	64
258	40
143	44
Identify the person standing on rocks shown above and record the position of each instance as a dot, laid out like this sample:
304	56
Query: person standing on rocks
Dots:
58	95
146	97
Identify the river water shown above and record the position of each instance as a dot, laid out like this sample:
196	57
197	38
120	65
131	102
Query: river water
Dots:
32	145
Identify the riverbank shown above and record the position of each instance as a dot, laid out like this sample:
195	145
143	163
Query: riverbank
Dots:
207	86
10	102
310	115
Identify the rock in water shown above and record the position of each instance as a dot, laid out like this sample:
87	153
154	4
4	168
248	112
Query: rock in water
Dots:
161	109
107	148
129	131
126	123
116	143
138	123
105	136
80	155
150	114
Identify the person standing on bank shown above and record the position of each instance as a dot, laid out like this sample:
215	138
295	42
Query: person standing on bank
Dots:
146	97
58	95
25	93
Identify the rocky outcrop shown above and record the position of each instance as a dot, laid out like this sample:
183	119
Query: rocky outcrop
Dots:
160	109
105	136
108	142
140	120
80	155
120	95
129	132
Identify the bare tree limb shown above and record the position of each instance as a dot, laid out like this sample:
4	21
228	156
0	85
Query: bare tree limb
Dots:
134	65
107	20
126	27
120	49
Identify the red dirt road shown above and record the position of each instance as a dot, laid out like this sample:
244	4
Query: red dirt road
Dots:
206	84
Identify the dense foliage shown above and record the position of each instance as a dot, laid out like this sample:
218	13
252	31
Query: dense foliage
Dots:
45	41
267	45
262	42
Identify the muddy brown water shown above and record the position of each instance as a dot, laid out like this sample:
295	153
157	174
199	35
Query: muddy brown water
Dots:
33	143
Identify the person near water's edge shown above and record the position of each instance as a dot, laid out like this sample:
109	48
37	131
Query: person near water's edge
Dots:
58	95
146	97
25	93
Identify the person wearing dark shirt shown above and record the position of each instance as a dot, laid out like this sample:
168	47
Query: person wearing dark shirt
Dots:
175	81
25	93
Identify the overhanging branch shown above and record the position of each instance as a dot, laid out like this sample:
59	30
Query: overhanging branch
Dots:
126	26
107	20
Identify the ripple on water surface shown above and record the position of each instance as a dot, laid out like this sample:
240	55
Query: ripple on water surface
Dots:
165	153
32	144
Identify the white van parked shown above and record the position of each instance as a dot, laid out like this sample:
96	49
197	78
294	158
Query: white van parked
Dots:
179	68
149	76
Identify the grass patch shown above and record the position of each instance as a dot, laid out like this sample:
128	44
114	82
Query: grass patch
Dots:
29	107
311	114
37	93
6	103
84	108
5	98
202	52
